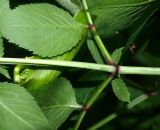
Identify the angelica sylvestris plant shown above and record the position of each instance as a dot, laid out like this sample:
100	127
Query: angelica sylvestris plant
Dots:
79	64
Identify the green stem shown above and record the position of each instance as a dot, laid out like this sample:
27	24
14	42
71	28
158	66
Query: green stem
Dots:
137	101
98	92
114	115
106	55
98	40
103	121
91	100
80	120
84	65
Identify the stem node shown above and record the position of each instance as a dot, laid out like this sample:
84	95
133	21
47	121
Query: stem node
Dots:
91	27
85	108
116	71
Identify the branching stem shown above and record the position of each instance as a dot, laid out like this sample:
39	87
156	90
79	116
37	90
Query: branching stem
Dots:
98	40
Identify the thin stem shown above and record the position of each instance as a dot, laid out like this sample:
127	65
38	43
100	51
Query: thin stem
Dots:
114	115
84	65
104	121
91	100
80	120
85	7
98	91
95	34
137	101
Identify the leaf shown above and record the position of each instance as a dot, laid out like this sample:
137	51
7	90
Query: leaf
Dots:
116	55
4	8
116	15
4	72
120	90
81	17
57	101
18	110
42	28
94	51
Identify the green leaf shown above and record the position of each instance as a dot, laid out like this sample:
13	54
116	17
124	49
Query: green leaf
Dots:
81	17
94	51
42	28
57	101
18	110
4	72
116	15
4	8
116	55
120	89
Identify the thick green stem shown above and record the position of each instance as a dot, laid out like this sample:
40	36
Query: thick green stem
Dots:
114	115
84	65
91	100
95	34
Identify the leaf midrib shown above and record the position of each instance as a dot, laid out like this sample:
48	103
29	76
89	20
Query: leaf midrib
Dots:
14	114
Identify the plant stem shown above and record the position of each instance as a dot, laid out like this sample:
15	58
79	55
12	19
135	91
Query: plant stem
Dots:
84	65
106	55
92	99
80	120
114	115
95	34
137	101
103	121
98	91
